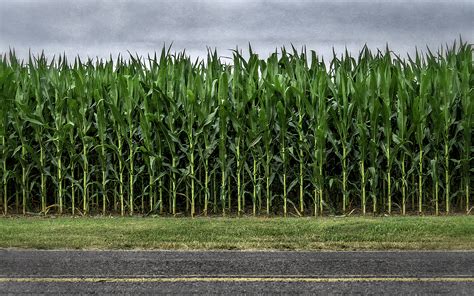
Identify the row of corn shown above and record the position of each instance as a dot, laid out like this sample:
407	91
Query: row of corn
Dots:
287	135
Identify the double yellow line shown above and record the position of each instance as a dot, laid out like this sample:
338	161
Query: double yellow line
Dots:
237	279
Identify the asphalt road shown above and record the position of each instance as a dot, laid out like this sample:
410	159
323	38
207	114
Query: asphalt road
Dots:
234	272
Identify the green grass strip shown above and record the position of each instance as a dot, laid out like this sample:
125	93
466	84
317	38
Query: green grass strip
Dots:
350	233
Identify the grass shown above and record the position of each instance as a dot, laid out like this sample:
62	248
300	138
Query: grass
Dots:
350	233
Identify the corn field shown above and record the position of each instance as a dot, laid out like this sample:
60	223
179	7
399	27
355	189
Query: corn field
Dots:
287	135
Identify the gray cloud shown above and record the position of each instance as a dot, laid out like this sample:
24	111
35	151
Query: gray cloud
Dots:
100	28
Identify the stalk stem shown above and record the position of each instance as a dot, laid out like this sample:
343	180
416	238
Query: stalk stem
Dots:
420	182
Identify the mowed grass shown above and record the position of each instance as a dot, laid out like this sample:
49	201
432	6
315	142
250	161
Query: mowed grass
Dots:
354	233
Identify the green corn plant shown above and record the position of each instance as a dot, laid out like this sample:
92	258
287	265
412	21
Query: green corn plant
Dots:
434	166
384	81
266	118
151	147
212	74
163	122
8	90
62	129
441	121
20	126
318	114
282	121
402	134
72	115
281	94
361	101
298	88
175	127
118	123
222	98
34	115
449	85
420	114
467	93
172	140
84	124
159	157
290	116
148	151
238	102
374	119
254	138
73	158
101	126
189	108
208	132
342	112
130	103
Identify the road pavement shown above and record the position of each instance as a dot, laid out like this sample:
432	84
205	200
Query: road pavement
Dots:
235	272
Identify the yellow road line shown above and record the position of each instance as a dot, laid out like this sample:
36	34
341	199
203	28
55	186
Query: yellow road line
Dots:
230	275
229	279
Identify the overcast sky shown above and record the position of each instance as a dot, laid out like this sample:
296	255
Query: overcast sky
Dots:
101	28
